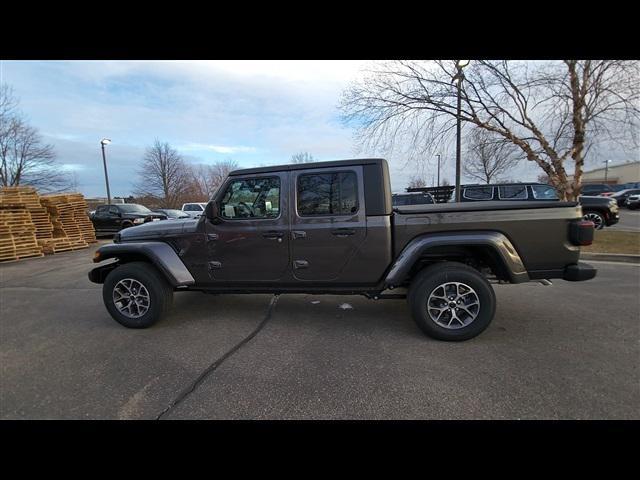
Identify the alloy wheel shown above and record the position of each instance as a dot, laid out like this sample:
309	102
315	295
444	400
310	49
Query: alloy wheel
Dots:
453	305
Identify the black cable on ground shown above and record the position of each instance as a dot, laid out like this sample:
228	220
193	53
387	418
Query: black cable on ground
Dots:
185	393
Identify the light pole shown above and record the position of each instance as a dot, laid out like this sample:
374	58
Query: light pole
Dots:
104	142
606	170
460	77
438	169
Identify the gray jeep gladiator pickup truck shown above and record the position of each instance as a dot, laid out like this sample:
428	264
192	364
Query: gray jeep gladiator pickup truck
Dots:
330	228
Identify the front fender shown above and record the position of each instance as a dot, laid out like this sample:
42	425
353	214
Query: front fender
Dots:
159	254
418	246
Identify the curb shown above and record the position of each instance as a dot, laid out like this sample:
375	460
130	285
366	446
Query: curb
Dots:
611	257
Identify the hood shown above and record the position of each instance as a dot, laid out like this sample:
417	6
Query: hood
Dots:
143	215
151	230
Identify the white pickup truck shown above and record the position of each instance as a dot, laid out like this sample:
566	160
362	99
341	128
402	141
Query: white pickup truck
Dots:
194	210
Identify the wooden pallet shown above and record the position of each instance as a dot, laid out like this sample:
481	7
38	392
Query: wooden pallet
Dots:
17	233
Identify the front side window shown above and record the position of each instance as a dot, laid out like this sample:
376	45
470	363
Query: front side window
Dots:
327	194
478	193
544	192
251	198
512	192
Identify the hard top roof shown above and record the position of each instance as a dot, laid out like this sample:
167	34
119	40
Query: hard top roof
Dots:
314	165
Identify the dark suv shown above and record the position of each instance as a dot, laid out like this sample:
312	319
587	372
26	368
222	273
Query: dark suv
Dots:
113	218
411	198
596	189
602	211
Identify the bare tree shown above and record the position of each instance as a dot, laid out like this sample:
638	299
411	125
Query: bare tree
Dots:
489	156
417	182
163	175
302	157
206	179
24	158
552	111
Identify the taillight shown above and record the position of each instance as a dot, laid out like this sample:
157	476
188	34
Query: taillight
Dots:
581	232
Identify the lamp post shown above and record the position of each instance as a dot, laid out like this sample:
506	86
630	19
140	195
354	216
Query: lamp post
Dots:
438	169
459	76
606	170
104	142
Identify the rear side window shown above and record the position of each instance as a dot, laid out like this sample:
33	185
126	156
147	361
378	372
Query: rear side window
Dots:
422	199
512	192
544	192
401	200
478	193
102	210
327	194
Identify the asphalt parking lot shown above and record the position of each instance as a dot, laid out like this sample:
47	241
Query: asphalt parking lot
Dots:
567	351
629	221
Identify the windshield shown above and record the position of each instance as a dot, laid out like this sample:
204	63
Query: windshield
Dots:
133	208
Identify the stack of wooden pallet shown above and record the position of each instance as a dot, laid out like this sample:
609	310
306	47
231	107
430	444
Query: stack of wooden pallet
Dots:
31	225
17	234
66	234
29	198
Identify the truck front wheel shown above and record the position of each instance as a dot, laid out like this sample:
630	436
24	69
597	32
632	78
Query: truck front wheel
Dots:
136	295
451	301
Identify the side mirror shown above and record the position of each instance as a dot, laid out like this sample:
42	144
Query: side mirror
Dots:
212	212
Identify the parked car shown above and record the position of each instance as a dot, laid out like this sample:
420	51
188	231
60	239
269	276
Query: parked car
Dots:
330	227
596	189
633	202
614	189
602	211
113	218
194	210
411	198
622	195
507	191
172	213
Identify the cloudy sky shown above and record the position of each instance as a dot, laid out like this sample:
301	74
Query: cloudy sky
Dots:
254	112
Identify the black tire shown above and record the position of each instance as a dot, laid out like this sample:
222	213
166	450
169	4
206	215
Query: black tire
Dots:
430	279
599	224
160	293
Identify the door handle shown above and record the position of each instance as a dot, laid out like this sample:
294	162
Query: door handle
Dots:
298	264
343	232
299	234
273	235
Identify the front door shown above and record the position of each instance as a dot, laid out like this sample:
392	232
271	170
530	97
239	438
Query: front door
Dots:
251	243
328	221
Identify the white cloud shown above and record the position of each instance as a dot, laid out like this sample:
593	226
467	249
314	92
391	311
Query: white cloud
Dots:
218	148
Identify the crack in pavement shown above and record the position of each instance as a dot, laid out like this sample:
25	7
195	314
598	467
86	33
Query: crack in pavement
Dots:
211	368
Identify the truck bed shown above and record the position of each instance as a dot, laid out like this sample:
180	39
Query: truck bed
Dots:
533	227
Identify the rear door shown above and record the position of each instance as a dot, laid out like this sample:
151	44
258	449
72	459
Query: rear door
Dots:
328	221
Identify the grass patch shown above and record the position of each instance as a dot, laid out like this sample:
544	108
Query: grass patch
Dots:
607	241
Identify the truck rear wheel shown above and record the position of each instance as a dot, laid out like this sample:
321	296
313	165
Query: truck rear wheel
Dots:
451	301
136	295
